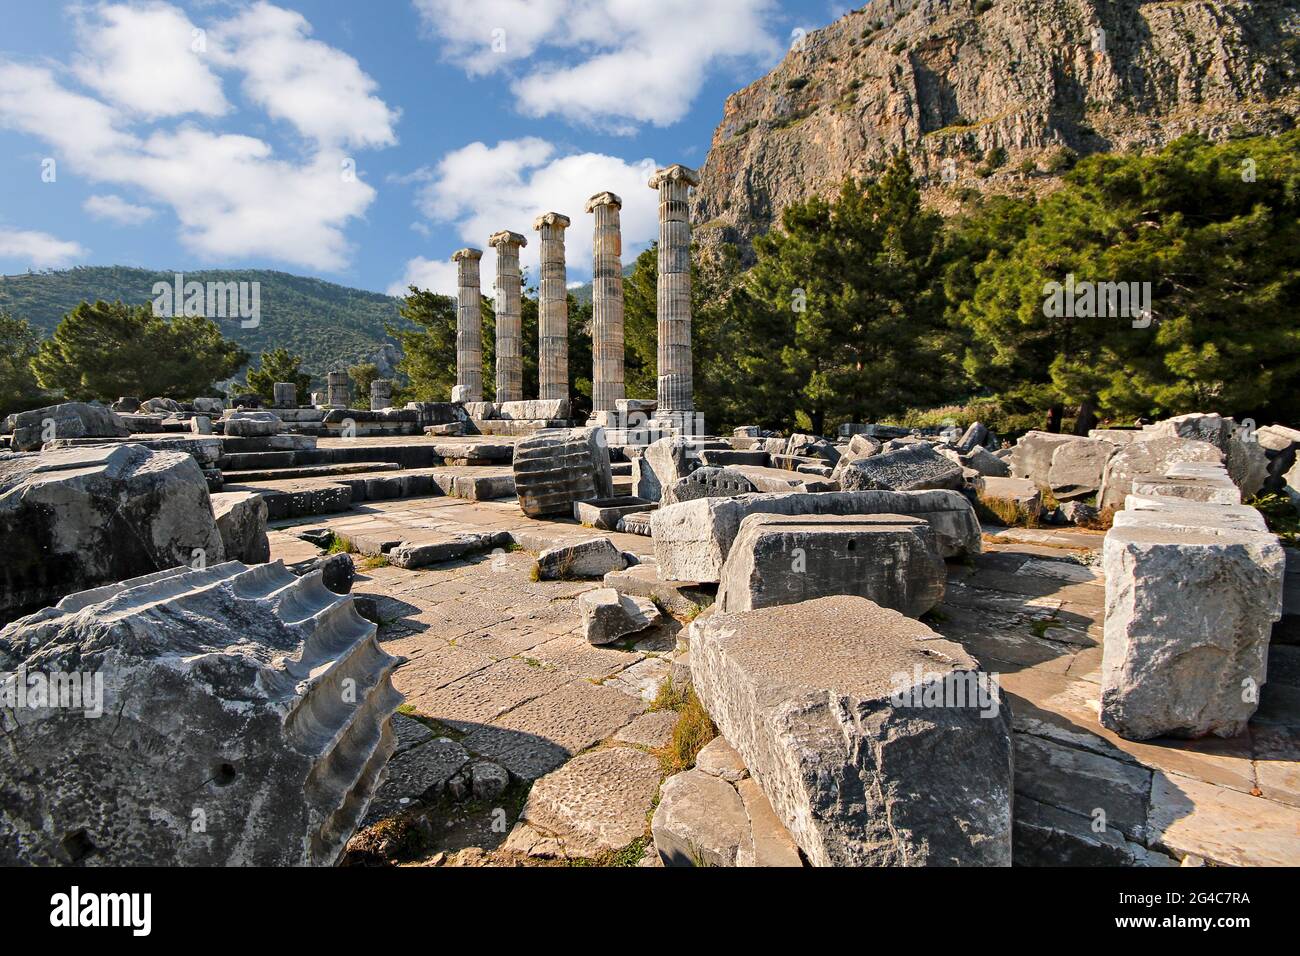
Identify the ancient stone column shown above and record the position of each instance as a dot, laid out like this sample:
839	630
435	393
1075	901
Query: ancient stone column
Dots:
510	361
338	389
553	310
606	303
469	327
381	394
676	392
286	394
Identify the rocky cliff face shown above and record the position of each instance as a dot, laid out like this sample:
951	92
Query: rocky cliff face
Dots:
993	95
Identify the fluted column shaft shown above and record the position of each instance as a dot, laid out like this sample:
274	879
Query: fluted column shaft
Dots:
675	384
510	362
553	310
469	326
607	385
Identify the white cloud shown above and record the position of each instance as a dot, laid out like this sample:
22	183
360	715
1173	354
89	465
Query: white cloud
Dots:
637	62
429	274
116	209
231	195
321	90
479	189
146	58
37	250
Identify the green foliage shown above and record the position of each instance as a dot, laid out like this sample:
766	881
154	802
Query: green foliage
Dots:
327	324
19	390
279	365
429	346
106	350
362	375
1221	253
842	316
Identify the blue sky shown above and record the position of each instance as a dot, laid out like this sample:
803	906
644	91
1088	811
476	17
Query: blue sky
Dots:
359	142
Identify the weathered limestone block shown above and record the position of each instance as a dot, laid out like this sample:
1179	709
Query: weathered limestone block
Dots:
665	461
553	470
693	538
241	521
608	615
1032	456
1150	458
812	446
33	428
767	480
860	446
984	462
1020	492
250	424
551	409
1246	460
880	744
590	558
75	518
784	559
209	406
700	821
604	514
161	406
256	697
1188	618
974	436
916	467
1077	467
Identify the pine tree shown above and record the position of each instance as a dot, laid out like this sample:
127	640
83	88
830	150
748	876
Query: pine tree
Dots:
278	365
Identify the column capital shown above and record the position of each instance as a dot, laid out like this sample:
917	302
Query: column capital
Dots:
460	254
604	199
506	238
551	219
675	173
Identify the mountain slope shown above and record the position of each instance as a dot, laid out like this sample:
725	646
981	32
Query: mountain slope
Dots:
1000	92
328	324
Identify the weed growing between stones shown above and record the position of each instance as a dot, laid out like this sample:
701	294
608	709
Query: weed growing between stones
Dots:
694	727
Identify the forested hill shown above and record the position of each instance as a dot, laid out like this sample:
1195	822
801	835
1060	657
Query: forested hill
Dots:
325	323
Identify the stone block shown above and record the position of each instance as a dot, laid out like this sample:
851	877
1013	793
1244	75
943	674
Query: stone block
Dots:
693	538
1077	467
32	429
608	616
700	821
1188	619
76	518
1020	492
247	424
1146	459
1033	454
915	467
604	514
785	559
222	690
877	742
590	558
241	521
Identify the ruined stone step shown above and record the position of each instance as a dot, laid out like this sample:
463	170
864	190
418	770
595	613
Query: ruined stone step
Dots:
310	471
257	461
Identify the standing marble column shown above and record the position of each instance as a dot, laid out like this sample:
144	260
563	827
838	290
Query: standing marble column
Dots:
553	310
606	303
469	327
676	392
510	356
381	394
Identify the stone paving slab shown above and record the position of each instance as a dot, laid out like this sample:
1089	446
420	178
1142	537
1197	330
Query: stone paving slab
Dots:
497	657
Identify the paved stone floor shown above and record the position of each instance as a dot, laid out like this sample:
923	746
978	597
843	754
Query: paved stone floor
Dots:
497	668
